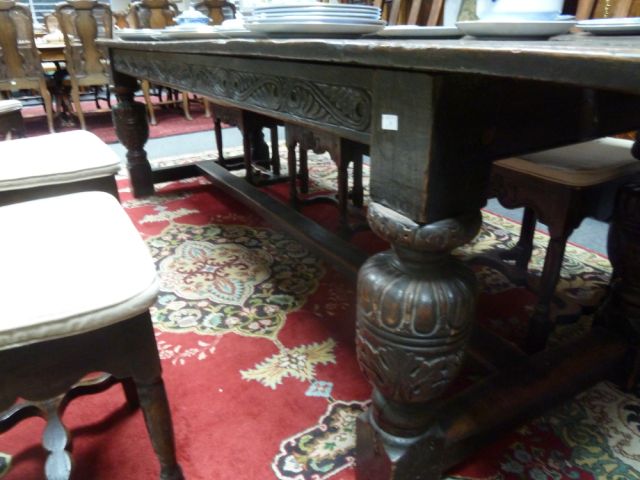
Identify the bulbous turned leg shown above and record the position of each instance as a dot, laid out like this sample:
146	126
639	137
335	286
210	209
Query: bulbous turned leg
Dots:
130	120
416	304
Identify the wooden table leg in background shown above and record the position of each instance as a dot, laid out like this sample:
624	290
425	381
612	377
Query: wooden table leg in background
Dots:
130	119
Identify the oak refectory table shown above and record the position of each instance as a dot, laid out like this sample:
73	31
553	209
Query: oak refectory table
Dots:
435	113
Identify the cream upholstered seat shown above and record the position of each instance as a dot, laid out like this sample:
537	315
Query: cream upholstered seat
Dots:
559	187
67	302
76	300
579	165
56	163
11	118
7	106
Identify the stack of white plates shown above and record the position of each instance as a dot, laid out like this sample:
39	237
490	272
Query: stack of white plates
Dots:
316	18
611	26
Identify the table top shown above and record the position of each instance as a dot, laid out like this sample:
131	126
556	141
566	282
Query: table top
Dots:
578	59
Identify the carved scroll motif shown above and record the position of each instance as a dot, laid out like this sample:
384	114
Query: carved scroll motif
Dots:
342	106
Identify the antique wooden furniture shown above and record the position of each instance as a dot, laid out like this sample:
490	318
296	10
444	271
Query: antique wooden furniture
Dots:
416	302
33	167
156	14
89	317
11	123
261	165
217	10
560	188
82	22
343	152
20	65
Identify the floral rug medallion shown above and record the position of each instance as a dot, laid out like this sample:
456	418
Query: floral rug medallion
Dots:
221	278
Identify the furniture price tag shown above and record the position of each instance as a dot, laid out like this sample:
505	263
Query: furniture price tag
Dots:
389	122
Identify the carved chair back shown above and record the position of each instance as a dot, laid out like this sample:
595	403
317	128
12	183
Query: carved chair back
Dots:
411	12
607	8
217	10
153	14
82	22
20	65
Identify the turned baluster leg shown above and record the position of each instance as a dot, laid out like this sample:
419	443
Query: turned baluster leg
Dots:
416	304
130	120
56	440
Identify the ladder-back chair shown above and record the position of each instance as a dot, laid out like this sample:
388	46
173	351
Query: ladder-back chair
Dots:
20	64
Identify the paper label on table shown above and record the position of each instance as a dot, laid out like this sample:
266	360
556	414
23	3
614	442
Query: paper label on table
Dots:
389	122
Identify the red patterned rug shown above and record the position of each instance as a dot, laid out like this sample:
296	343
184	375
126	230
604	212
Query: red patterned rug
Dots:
171	121
256	338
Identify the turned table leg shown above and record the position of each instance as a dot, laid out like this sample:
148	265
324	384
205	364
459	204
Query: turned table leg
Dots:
416	304
130	120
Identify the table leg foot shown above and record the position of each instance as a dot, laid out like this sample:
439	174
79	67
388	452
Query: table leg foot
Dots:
416	305
384	456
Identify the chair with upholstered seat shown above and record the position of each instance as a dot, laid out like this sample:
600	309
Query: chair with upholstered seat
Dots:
21	68
559	188
28	169
82	22
11	123
86	311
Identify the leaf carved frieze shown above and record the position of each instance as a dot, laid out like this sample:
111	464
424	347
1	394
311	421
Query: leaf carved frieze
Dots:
339	105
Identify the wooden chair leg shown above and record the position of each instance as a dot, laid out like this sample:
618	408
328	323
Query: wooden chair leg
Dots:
144	85
217	128
522	251
48	107
185	105
207	108
304	171
292	167
357	192
275	151
154	404
75	96
540	324
130	393
343	188
246	152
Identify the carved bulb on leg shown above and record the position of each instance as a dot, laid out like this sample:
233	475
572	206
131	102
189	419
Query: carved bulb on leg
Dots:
416	304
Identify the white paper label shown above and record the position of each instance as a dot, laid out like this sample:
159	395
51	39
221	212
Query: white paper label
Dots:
389	122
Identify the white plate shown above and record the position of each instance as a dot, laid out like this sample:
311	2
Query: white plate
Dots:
313	28
310	19
611	26
411	31
609	21
239	33
342	7
486	28
315	13
137	33
192	35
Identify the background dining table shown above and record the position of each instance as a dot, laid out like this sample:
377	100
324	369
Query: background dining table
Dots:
435	114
